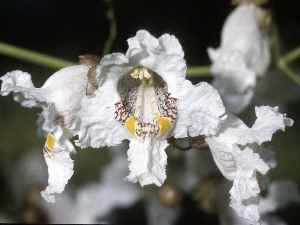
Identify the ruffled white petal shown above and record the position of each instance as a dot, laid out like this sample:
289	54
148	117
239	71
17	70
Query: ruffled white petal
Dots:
245	189
268	121
163	56
243	55
59	99
63	90
60	166
235	150
99	128
20	84
200	110
147	161
112	66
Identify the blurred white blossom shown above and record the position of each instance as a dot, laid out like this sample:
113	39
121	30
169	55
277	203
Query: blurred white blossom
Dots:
280	194
94	201
243	56
159	214
30	171
4	219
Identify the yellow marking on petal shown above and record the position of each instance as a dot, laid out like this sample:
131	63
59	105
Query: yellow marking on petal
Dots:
164	125
50	141
130	124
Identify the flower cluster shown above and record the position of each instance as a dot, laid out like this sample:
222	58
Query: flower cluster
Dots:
143	96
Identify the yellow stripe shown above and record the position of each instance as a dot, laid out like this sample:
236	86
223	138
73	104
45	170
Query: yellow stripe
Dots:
50	141
164	125
130	124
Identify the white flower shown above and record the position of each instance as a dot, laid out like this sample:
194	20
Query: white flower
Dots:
244	55
59	99
236	150
145	98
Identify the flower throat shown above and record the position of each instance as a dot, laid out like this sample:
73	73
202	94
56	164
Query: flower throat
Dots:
146	108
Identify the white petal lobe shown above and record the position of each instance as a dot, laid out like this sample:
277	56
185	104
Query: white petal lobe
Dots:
147	161
20	84
200	110
163	56
60	167
98	125
268	121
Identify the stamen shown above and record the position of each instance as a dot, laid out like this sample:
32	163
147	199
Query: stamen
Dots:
141	73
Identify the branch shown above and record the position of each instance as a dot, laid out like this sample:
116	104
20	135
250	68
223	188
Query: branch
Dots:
33	56
285	60
112	28
282	62
198	71
57	63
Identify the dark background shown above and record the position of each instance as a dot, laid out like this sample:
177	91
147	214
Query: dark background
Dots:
71	28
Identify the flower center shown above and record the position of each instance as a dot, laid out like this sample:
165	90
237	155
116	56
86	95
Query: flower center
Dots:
146	108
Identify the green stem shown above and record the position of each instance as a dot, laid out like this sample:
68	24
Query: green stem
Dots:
285	60
291	56
290	73
198	71
282	62
56	63
33	56
112	28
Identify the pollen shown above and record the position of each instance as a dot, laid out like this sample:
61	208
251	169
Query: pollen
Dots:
165	125
130	124
141	73
50	142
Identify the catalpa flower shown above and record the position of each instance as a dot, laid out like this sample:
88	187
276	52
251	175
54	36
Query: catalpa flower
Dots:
242	58
237	151
59	99
145	98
